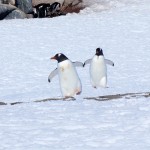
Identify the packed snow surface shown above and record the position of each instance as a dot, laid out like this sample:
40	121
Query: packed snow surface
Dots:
122	30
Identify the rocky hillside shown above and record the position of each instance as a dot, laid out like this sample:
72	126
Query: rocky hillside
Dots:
20	9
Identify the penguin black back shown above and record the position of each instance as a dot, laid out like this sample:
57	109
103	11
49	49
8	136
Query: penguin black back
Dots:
99	52
55	7
60	57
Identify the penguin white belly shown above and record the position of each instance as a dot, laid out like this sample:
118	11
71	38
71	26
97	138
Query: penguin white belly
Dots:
69	81
98	72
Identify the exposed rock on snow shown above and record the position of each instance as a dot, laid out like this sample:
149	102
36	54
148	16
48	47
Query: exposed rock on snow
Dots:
10	12
22	9
36	2
12	2
16	14
5	10
72	6
25	6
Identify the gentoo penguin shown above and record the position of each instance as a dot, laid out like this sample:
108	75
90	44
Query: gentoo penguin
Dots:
98	69
41	10
70	83
55	8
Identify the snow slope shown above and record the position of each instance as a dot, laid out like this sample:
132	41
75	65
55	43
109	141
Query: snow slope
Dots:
122	31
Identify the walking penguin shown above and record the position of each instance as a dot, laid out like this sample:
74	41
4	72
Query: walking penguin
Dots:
70	83
98	69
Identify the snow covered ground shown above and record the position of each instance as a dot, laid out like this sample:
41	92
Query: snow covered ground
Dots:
121	29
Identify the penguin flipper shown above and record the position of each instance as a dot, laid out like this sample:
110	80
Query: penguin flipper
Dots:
88	61
109	62
52	74
78	64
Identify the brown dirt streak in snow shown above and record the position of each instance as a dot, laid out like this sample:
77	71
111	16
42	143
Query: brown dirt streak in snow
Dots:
119	96
2	103
99	98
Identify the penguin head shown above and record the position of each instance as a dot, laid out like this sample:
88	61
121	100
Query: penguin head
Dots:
59	57
99	52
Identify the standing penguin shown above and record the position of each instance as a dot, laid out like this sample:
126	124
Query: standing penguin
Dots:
70	83
98	69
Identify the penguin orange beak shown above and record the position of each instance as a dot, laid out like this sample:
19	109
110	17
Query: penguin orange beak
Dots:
53	57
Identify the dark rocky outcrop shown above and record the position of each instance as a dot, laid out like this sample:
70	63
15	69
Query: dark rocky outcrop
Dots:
5	10
10	12
20	9
12	2
16	14
25	6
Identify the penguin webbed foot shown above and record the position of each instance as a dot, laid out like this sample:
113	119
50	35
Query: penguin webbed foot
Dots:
69	98
78	93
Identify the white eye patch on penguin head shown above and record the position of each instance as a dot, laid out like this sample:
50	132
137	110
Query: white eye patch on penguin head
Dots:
59	57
